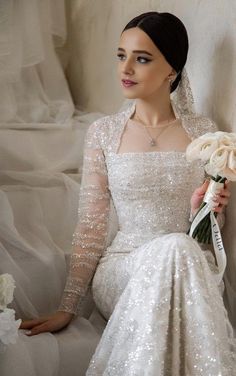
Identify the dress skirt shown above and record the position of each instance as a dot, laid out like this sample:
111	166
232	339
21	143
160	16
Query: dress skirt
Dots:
165	313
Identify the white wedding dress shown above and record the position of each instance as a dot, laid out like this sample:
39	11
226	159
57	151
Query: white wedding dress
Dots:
154	284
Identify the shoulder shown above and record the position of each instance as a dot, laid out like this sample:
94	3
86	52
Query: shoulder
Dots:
104	123
199	125
103	129
97	131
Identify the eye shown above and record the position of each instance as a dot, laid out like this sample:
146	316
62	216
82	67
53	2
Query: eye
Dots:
143	60
121	56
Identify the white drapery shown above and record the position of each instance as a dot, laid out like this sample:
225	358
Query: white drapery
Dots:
33	86
41	149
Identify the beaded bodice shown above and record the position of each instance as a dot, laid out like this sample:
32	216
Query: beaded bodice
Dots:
151	191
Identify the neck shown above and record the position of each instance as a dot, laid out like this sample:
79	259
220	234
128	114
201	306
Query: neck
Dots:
156	109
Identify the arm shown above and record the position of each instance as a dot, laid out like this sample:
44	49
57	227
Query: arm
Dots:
88	239
91	230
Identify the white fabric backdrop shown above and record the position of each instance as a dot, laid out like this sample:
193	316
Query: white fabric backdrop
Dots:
41	150
33	86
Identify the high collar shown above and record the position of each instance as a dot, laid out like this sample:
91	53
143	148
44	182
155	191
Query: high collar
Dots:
132	106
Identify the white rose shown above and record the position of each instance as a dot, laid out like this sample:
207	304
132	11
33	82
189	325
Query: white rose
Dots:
229	171
8	326
220	134
232	160
202	147
7	286
228	139
210	170
218	161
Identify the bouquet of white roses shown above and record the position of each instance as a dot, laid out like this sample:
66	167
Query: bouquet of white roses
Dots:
218	153
8	325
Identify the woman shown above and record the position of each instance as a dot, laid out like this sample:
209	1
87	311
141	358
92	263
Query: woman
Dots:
154	283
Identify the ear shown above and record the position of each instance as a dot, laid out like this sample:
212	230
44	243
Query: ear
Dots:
172	76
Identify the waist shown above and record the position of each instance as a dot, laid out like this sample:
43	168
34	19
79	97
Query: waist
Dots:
124	243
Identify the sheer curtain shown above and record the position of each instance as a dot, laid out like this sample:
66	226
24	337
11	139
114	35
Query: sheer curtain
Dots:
33	86
41	151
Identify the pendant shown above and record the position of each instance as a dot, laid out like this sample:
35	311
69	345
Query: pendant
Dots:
153	142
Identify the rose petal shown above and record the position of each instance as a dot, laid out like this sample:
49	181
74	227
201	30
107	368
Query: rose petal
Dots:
232	160
201	148
219	158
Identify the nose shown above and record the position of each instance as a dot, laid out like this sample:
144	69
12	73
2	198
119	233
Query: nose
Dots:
127	67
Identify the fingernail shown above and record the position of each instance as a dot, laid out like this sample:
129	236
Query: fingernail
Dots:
28	332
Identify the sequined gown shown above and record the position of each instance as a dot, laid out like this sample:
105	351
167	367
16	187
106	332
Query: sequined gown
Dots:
154	284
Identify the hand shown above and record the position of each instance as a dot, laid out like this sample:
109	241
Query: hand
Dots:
52	323
221	200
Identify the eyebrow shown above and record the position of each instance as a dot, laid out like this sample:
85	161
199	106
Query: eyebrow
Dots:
136	51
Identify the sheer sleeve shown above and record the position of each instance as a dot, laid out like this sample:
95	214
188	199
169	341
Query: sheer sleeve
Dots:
90	234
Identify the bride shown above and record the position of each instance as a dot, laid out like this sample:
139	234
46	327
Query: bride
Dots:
154	284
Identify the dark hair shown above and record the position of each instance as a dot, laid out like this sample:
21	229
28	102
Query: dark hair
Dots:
170	36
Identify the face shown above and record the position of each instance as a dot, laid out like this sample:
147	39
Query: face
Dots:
143	70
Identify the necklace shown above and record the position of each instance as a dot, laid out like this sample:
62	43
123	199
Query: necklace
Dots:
154	126
152	141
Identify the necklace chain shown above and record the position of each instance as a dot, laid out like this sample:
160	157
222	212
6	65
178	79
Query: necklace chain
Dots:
152	141
154	126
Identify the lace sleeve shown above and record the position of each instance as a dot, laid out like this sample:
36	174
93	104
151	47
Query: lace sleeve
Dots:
90	234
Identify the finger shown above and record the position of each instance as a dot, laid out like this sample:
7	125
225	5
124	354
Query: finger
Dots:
202	189
218	209
28	324
38	329
225	193
221	200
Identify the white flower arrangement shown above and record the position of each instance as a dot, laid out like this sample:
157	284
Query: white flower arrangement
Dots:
218	153
8	325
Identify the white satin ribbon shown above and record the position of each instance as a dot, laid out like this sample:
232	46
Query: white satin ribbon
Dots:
213	188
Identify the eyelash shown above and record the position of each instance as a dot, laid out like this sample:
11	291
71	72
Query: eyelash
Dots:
139	58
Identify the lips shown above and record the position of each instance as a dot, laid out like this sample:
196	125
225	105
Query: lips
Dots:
128	83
